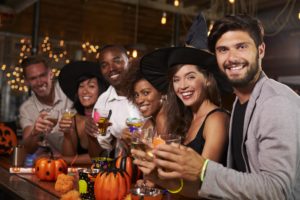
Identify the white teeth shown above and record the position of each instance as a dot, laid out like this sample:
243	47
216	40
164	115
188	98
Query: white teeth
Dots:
43	87
236	68
186	94
114	76
86	98
143	108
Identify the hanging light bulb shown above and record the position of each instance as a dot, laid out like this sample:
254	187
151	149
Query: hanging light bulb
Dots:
231	1
176	3
299	15
164	18
134	53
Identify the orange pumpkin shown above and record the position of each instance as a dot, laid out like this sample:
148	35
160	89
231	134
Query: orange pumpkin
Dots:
126	163
112	184
8	139
48	169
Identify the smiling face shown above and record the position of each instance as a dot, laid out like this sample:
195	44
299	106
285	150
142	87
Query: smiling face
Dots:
88	92
147	98
239	58
113	62
189	84
39	78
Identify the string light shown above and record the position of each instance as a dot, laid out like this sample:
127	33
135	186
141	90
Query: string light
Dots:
210	27
164	18
90	50
134	53
176	3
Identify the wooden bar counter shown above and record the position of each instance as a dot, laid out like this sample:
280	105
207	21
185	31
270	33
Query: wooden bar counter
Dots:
23	186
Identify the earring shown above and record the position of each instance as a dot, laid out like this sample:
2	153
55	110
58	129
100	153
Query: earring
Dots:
162	99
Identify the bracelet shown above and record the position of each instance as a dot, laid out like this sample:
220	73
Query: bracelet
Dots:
74	159
179	189
203	170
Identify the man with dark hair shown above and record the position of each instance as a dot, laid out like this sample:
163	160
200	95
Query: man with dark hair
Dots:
114	63
46	95
263	160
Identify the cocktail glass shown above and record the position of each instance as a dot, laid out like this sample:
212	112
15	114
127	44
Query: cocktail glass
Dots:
52	115
68	113
101	117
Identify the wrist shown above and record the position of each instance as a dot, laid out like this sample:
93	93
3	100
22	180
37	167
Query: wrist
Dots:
178	189
33	133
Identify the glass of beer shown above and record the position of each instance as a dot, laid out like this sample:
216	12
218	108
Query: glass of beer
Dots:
101	117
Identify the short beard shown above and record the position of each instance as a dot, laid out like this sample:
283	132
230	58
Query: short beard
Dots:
250	76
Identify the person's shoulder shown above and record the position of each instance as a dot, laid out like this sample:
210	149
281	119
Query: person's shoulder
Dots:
272	89
218	116
27	104
106	93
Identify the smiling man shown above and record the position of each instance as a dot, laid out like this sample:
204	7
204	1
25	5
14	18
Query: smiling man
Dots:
114	63
46	94
263	158
264	133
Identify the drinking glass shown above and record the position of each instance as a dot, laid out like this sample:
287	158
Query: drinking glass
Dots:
134	123
68	113
142	140
52	115
101	117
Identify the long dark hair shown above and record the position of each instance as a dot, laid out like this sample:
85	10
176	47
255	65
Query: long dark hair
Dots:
180	116
77	105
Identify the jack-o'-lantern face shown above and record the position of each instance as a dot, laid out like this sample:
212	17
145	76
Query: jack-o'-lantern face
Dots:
8	139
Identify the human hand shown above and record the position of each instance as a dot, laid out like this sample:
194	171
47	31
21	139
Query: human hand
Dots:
126	136
90	127
65	124
42	125
174	162
144	162
147	183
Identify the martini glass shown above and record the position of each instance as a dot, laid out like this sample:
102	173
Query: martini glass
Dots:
52	115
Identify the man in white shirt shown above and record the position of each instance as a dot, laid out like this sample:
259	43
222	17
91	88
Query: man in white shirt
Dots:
113	63
46	95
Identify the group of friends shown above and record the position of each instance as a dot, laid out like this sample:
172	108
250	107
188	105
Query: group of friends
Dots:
252	153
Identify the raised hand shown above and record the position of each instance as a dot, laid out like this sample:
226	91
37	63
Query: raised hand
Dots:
41	124
174	162
90	127
65	124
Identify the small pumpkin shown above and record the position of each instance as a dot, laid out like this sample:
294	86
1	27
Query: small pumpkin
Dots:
112	184
8	139
126	163
48	169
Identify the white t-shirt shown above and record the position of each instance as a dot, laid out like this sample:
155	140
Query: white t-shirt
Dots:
121	109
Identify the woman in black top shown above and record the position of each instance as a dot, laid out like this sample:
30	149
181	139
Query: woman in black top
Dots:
82	83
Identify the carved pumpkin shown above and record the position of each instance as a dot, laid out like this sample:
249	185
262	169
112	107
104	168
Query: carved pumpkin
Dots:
8	139
112	184
47	169
126	163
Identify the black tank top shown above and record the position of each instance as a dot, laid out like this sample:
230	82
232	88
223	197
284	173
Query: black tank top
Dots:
198	143
80	150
